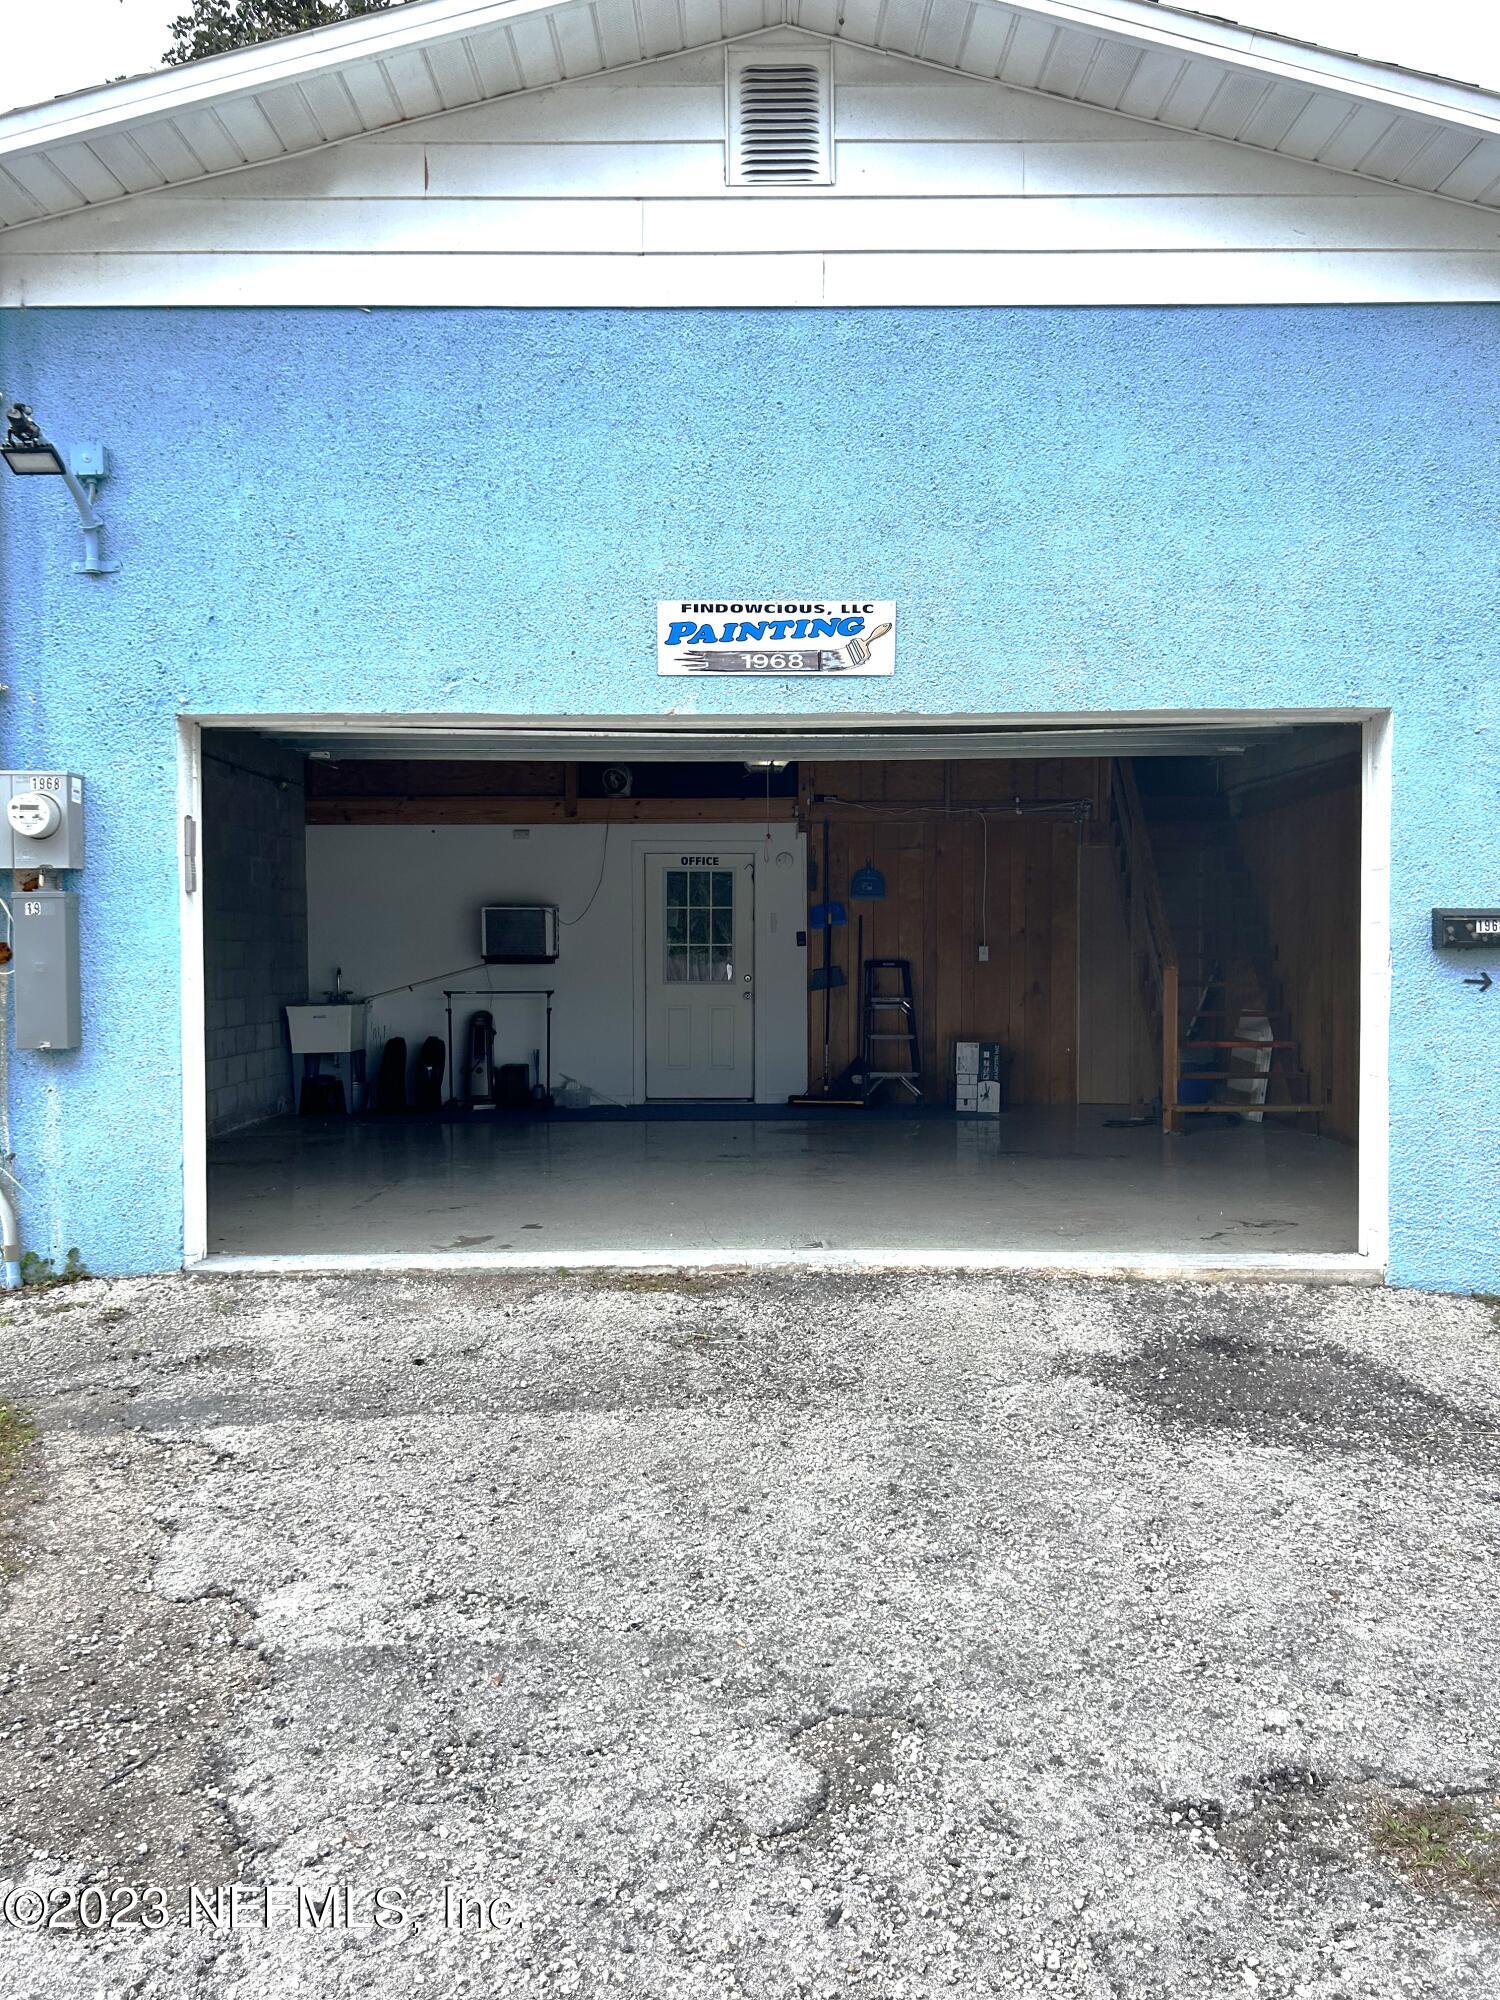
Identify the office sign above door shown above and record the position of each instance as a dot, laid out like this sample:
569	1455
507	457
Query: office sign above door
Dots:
776	636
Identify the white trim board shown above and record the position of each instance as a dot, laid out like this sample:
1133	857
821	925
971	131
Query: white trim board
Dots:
790	281
1166	1267
605	186
194	1005
1375	988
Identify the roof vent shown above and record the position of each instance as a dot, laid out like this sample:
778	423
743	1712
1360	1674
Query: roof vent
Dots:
778	120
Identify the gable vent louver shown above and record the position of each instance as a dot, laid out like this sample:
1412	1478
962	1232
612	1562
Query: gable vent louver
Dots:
778	124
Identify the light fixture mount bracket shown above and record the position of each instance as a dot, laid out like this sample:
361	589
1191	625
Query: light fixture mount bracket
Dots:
28	452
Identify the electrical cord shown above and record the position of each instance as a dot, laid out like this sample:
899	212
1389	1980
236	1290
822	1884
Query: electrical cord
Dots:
427	979
248	771
482	965
1077	810
984	889
569	922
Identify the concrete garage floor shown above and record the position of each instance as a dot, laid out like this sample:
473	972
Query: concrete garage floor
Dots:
773	1636
856	1183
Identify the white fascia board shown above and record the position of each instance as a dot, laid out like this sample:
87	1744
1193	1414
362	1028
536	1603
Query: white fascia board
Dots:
295	57
1388	84
264	65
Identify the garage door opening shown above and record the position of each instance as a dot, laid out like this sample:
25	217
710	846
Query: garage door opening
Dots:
1083	996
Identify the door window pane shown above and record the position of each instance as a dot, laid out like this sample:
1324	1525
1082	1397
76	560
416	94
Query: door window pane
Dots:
698	921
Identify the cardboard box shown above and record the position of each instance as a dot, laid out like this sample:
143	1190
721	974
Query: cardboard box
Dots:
966	1097
966	1059
989	1100
989	1062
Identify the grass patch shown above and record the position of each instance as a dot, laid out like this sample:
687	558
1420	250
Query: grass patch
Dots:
39	1274
651	1281
697	1342
16	1433
1442	1843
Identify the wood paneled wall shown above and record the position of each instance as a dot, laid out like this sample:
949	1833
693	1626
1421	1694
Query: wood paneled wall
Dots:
1111	1021
919	824
1304	857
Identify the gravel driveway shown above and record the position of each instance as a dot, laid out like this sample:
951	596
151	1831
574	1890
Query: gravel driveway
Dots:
674	1636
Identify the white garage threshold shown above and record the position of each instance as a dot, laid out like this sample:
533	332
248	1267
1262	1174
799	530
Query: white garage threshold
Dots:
1330	1268
1065	1191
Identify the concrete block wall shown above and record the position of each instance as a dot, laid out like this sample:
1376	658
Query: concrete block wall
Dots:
255	924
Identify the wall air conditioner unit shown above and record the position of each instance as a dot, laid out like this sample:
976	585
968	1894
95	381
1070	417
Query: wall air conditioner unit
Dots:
518	933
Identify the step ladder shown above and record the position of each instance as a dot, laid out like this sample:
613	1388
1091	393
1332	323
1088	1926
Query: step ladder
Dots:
891	1054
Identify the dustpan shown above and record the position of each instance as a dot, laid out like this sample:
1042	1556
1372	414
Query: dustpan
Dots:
868	885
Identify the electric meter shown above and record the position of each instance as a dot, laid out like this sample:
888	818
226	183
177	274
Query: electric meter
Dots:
43	825
34	815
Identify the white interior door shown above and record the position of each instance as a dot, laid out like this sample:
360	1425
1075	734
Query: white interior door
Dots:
700	975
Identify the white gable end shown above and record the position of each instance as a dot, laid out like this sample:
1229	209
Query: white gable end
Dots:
617	190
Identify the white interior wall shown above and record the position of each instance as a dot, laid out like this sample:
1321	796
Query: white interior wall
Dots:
391	904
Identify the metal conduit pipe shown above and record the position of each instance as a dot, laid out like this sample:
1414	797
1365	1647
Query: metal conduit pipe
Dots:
10	1225
10	1229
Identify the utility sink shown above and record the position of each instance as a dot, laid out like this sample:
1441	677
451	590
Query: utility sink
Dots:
326	1028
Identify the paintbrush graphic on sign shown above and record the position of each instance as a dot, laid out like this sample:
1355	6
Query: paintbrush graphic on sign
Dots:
860	649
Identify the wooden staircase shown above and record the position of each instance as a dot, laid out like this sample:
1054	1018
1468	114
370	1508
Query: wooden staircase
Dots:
1206	962
1237	1053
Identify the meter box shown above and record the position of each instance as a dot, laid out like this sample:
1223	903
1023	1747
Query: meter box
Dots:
1466	930
44	932
43	819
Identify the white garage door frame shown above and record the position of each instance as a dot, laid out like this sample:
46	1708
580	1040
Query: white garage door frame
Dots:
1165	732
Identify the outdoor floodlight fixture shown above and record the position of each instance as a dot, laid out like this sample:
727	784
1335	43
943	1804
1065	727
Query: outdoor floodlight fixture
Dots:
28	453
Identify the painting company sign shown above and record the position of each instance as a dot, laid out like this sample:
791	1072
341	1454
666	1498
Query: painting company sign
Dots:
776	637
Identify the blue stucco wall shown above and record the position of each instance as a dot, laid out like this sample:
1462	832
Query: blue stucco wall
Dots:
348	510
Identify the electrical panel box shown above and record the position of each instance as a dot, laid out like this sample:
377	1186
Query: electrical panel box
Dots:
48	1004
1466	930
43	820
